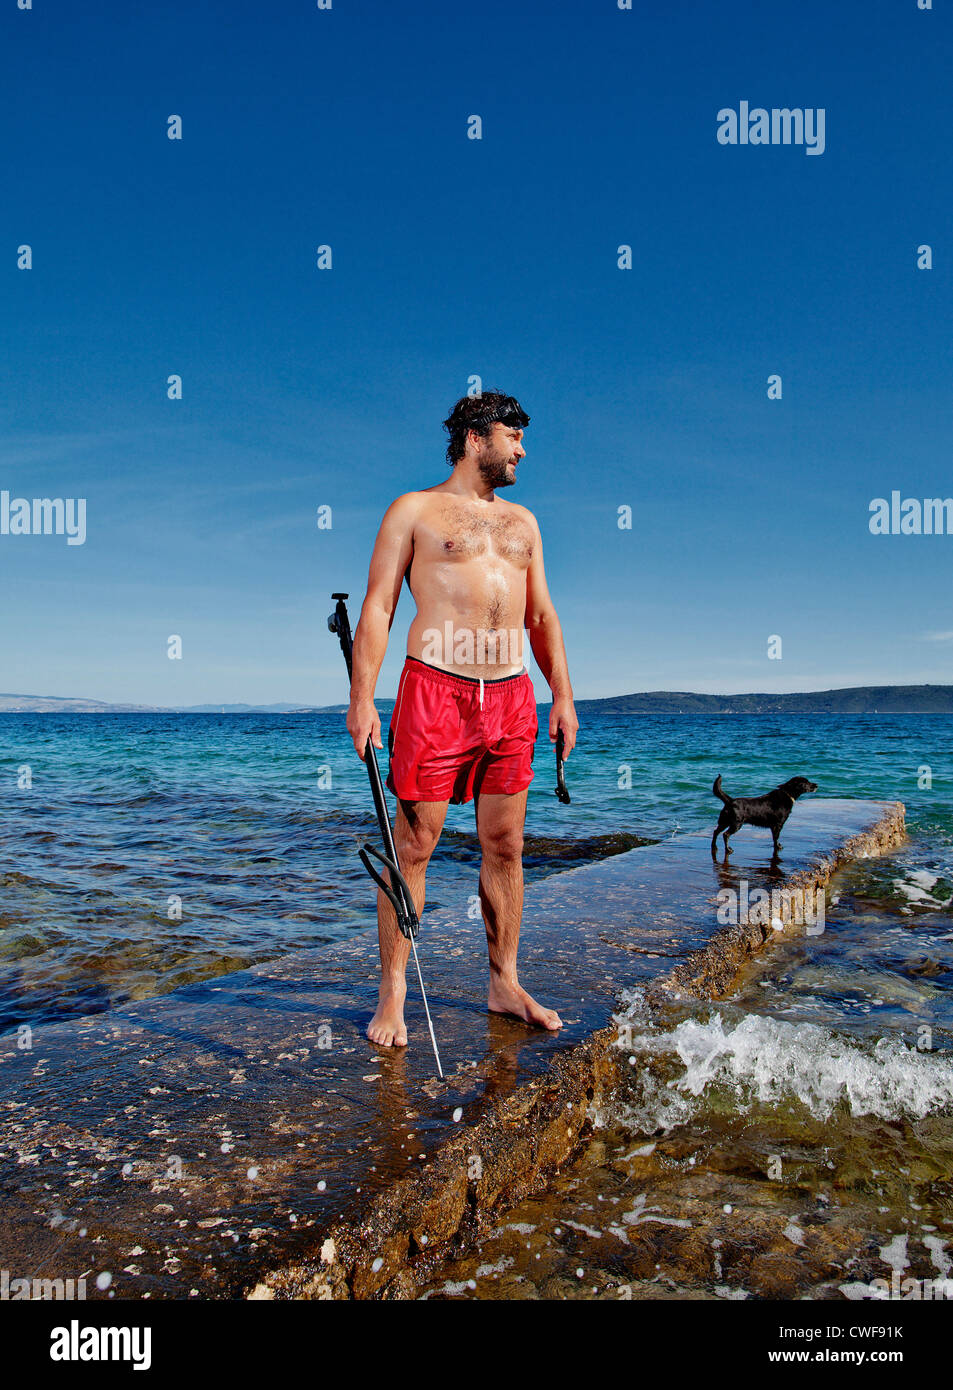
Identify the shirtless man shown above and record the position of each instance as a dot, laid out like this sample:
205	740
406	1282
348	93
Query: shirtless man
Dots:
464	721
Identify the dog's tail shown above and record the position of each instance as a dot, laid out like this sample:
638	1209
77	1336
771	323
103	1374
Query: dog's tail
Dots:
717	791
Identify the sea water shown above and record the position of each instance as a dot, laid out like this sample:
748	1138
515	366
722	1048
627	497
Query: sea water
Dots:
773	1144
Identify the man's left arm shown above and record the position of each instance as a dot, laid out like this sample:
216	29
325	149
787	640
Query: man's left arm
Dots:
546	641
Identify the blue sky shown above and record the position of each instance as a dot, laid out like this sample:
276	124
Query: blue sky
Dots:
455	257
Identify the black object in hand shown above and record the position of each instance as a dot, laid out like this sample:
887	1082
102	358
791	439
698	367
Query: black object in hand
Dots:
562	791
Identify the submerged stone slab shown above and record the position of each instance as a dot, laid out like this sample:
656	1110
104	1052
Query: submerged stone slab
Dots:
242	1138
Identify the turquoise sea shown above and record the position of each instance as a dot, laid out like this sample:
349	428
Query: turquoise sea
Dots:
141	852
791	1141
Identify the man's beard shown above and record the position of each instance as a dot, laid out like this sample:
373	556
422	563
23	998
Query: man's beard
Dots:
494	473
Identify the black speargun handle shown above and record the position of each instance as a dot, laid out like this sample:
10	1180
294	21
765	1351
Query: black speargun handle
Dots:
397	891
396	902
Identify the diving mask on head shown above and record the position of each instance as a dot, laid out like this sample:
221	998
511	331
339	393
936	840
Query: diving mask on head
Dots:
508	412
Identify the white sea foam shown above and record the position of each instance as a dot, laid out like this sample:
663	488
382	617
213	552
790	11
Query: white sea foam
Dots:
917	886
770	1061
642	1151
895	1254
938	1255
586	1230
641	1213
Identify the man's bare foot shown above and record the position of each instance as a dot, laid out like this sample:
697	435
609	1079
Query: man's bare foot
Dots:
513	999
387	1027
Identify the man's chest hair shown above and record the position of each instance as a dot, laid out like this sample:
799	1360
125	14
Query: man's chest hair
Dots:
457	530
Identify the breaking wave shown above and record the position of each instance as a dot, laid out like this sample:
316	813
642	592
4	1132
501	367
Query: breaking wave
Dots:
768	1061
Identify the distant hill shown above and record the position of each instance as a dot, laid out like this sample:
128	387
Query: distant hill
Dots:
58	704
283	708
858	699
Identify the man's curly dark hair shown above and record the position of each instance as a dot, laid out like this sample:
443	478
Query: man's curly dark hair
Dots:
480	413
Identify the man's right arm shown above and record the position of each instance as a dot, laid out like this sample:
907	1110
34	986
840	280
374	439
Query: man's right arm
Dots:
393	551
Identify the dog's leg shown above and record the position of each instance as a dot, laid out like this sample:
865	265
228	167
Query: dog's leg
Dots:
722	822
728	849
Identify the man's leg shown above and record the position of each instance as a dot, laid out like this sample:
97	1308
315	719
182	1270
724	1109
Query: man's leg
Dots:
500	828
416	832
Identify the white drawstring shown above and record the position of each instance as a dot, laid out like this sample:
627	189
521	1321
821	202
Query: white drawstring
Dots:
481	692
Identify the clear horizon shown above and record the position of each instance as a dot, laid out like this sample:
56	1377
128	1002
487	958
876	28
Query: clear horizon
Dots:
619	695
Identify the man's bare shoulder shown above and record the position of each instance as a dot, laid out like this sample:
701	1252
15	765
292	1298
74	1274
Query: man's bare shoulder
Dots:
516	509
415	504
405	508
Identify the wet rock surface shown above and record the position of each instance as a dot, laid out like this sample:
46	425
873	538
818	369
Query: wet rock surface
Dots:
723	1210
242	1138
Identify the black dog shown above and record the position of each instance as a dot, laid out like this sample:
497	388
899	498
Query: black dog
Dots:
769	811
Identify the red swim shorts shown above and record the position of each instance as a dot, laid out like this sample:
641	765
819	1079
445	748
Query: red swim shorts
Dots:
453	737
